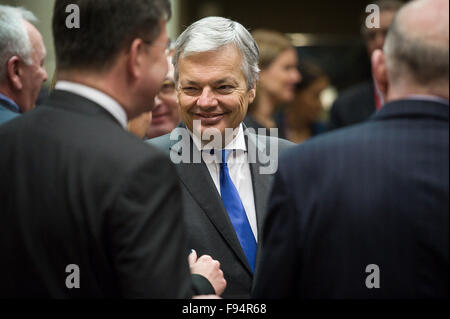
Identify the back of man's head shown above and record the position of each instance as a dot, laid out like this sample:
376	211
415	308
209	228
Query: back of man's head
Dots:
106	28
417	45
14	39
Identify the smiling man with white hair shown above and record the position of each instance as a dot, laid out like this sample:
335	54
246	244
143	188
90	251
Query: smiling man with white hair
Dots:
221	164
22	55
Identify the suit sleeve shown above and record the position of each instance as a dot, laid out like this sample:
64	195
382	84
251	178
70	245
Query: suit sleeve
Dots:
202	286
146	234
279	266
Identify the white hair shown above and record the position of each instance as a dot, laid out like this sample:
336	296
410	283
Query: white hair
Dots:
14	39
213	33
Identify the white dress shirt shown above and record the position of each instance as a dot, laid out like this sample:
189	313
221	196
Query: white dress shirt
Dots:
239	170
102	99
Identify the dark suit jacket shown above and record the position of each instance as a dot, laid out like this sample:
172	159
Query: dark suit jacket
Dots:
376	193
355	105
75	188
209	228
7	112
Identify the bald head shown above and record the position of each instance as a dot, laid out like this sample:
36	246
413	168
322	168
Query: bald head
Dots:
417	52
426	21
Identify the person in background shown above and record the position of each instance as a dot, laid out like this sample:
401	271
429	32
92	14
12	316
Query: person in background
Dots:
22	56
277	79
363	212
79	192
300	119
139	125
359	102
165	112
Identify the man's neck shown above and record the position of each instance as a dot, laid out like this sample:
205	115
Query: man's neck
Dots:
400	92
224	142
105	83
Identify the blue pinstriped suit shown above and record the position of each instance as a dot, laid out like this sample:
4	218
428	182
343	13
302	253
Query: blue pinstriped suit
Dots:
375	193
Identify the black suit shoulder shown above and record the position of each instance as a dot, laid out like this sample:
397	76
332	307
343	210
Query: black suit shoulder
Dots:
355	105
359	196
106	202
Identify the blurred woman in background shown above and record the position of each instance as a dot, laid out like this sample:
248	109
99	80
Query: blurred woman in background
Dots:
300	120
278	63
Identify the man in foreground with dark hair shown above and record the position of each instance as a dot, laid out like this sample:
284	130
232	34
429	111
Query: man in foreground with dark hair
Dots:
87	209
363	212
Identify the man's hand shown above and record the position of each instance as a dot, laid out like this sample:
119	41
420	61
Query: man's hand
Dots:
208	268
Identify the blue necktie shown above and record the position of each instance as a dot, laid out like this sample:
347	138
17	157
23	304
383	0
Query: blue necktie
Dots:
235	209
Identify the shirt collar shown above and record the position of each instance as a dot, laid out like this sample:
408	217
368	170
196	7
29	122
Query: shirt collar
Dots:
102	99
237	143
10	102
431	98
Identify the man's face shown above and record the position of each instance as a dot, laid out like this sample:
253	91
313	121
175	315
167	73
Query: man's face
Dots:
154	69
165	113
34	75
212	89
375	37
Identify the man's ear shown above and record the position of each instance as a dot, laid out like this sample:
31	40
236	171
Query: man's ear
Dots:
379	72
252	94
135	58
15	72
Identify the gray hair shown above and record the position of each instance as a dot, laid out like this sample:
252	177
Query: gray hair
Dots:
14	38
409	55
213	33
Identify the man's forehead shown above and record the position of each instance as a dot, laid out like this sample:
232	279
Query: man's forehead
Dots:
227	55
217	73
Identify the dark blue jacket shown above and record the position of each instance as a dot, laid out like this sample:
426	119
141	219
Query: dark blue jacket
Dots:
372	194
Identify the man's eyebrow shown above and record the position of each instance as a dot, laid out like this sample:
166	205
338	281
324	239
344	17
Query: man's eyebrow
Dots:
188	82
226	80
218	82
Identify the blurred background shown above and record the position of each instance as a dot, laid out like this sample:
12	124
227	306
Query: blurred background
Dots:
327	32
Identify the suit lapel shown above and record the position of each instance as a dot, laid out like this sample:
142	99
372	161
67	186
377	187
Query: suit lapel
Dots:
198	182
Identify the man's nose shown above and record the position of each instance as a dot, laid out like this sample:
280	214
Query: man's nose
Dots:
158	102
207	98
